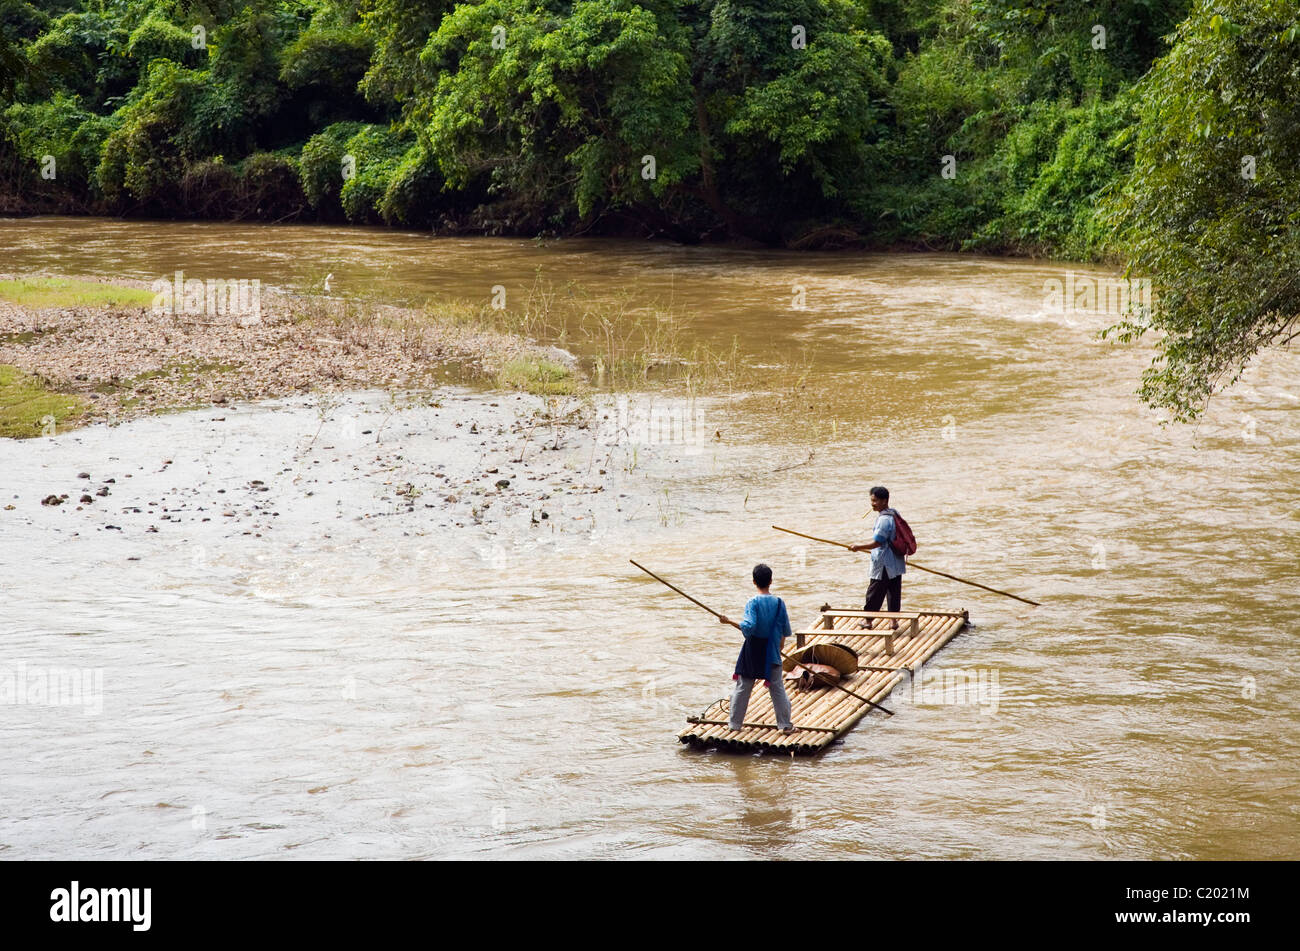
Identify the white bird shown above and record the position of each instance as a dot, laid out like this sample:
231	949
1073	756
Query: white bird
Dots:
328	278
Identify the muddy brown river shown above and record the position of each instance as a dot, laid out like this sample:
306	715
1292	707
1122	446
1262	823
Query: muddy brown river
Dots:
363	676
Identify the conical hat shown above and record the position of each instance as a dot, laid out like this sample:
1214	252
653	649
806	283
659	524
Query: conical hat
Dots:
844	659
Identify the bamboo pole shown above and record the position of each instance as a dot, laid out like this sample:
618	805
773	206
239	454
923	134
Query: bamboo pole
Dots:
785	656
677	589
933	571
973	584
828	709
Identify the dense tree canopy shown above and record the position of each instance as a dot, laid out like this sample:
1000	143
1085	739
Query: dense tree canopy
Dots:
788	121
1114	129
1211	209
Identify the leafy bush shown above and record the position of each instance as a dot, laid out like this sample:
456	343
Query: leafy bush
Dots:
414	189
270	186
321	165
377	152
157	38
141	157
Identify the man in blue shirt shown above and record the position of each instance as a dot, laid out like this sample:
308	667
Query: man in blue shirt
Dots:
765	626
887	565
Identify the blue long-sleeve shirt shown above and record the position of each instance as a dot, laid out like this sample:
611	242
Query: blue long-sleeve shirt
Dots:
765	624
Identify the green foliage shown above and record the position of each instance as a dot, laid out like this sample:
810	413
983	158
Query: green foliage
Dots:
1223	248
537	375
694	117
561	115
158	38
26	404
143	156
818	106
61	127
1057	41
400	29
1035	118
1057	209
20	24
321	166
414	187
377	152
618	104
61	292
245	63
270	186
332	54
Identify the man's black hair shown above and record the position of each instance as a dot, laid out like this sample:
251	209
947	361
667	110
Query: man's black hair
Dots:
763	576
880	492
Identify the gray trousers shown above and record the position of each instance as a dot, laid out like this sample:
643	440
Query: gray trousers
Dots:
780	702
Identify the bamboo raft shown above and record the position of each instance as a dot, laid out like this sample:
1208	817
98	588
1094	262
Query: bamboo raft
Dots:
824	714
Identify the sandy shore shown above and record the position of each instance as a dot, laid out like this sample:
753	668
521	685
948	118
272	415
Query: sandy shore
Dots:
132	361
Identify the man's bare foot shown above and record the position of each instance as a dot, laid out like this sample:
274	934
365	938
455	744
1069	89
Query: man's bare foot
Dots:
788	730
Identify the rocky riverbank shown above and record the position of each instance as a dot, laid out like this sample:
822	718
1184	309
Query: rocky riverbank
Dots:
123	361
499	466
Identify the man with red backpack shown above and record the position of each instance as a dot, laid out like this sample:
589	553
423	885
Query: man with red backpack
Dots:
893	540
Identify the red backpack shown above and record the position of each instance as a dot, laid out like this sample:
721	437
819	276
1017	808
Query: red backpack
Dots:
903	542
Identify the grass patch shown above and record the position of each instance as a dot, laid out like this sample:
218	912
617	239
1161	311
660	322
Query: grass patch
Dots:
181	372
115	386
539	376
41	292
621	343
25	404
22	337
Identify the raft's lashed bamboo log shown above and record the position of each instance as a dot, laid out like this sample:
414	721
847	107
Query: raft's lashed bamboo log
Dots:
765	726
830	709
824	712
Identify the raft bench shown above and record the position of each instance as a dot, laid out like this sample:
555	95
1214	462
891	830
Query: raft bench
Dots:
911	627
823	715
